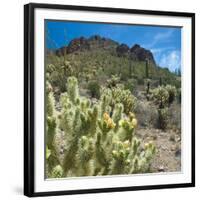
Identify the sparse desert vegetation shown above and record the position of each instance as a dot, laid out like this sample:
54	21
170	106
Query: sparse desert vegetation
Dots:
110	110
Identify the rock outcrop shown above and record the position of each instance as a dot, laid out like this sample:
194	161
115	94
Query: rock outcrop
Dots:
141	54
122	49
97	42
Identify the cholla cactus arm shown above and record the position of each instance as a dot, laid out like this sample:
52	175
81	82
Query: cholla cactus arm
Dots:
117	113
70	152
51	130
105	102
141	158
120	162
145	157
50	106
66	115
72	89
84	157
93	120
127	127
135	144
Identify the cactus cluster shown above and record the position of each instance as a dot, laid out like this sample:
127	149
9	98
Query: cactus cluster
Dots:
172	93
163	97
57	74
99	137
160	96
113	81
118	94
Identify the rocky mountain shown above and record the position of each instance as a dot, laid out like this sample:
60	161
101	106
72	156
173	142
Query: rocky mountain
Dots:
142	54
96	42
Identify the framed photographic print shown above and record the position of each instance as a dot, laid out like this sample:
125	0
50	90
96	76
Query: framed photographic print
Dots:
108	99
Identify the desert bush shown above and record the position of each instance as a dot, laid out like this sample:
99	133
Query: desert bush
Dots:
94	89
140	81
147	114
130	84
98	142
174	120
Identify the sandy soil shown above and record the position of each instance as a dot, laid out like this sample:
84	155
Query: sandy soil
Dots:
168	144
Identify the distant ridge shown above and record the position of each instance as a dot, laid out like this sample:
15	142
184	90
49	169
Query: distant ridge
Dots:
96	42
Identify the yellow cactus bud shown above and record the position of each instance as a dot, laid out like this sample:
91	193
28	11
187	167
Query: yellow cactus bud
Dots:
128	161
121	122
114	153
134	122
106	116
131	115
126	144
146	145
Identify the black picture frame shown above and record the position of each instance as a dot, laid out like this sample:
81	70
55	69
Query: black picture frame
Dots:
29	94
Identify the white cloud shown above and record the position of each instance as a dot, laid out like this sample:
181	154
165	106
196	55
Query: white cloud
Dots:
171	60
158	51
160	37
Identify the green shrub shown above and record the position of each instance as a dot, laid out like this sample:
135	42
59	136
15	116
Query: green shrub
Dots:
130	84
94	89
140	81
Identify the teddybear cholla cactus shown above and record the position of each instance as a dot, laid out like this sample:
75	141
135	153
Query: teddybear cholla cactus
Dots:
96	142
57	75
51	129
160	96
117	95
163	97
172	93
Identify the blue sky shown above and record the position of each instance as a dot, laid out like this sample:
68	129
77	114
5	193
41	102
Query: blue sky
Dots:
164	42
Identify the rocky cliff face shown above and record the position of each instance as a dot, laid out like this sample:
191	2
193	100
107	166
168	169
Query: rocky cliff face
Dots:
83	44
97	42
122	50
141	54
